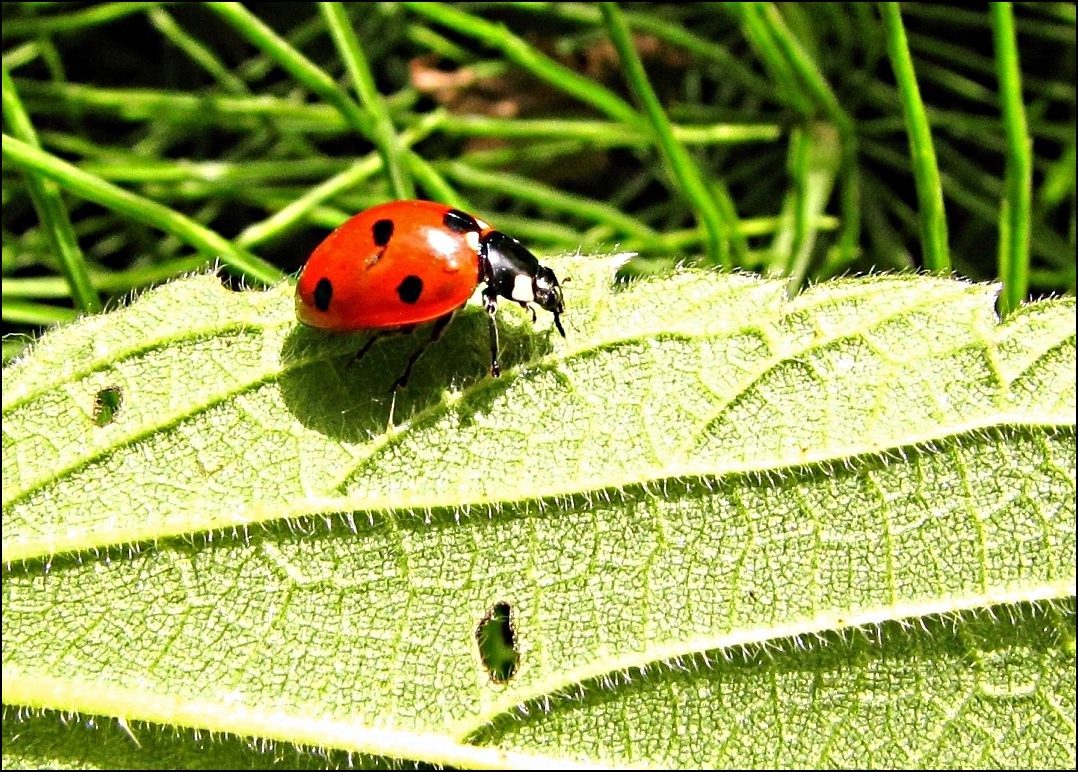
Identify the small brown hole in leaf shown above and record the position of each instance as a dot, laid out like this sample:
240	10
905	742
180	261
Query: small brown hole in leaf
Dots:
496	637
107	405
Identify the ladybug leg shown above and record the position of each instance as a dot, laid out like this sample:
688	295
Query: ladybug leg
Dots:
377	336
557	323
439	327
557	318
490	302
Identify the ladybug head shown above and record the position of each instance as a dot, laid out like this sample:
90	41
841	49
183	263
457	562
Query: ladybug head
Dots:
512	272
548	295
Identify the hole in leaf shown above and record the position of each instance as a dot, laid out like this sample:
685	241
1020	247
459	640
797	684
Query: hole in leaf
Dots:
107	405
496	637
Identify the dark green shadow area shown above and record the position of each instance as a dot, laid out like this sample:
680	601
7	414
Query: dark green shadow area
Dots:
333	393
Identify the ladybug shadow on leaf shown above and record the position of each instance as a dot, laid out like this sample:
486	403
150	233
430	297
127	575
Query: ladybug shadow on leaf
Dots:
331	391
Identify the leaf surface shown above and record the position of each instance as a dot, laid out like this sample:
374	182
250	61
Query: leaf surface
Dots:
731	529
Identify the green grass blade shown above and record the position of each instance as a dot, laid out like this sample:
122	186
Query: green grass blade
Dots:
196	51
521	53
40	26
147	105
113	282
361	170
144	210
1059	179
36	314
299	66
50	208
678	36
925	171
808	71
526	189
435	186
605	133
814	164
18	56
805	69
683	168
1014	224
385	135
761	34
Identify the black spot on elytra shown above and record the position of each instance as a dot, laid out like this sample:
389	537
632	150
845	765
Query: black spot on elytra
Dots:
496	637
107	404
323	293
382	232
459	222
410	289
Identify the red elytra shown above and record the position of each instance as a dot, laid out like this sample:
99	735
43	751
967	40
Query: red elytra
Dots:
404	263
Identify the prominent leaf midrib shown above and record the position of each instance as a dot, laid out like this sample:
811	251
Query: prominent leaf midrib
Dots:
827	621
851	457
441	408
82	695
248	513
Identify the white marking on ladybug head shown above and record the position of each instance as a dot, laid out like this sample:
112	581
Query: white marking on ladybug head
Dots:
482	225
523	292
472	238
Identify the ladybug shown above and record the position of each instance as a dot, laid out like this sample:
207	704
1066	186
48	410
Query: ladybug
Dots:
400	264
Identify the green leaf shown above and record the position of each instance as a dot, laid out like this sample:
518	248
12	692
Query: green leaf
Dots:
712	527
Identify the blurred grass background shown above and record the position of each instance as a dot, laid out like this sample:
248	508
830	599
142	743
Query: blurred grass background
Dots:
144	141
